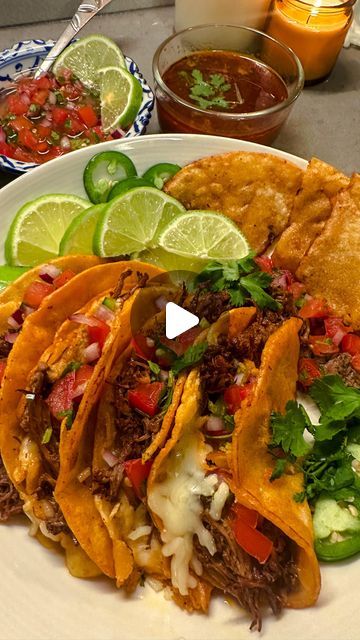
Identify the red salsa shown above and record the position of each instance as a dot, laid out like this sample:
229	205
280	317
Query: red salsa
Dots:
221	82
45	118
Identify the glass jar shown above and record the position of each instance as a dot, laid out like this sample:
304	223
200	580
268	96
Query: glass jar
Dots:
249	13
314	29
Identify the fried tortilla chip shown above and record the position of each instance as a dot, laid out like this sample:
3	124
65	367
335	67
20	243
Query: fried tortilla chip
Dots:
253	465
331	269
312	207
256	190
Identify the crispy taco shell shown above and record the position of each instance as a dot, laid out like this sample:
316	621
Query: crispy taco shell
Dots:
253	465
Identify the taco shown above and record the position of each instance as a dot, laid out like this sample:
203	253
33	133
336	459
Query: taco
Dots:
67	369
102	477
209	489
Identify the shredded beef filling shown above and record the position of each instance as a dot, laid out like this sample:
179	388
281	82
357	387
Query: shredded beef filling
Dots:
10	501
341	365
208	304
5	347
36	419
234	572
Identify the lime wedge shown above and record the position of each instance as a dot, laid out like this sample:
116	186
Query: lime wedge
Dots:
120	97
85	57
204	235
133	221
78	237
9	274
36	231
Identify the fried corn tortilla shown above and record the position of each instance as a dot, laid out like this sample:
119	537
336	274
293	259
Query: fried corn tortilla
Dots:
331	268
256	190
253	465
312	207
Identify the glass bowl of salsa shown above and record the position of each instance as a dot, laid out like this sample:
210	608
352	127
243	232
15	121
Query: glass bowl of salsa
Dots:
227	81
43	119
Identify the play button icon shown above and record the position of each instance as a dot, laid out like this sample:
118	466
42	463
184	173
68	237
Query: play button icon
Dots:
178	320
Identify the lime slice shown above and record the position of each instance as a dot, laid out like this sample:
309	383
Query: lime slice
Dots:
86	56
78	237
133	222
204	235
171	261
120	97
36	231
9	274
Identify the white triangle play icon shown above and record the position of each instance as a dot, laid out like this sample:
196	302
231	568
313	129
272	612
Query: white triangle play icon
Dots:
178	320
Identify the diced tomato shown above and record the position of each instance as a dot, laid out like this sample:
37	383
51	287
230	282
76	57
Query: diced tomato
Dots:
322	345
141	347
264	263
297	289
187	338
234	396
36	292
44	132
82	377
20	123
17	105
75	126
336	329
59	115
28	139
308	371
40	96
5	149
314	308
44	82
63	278
60	398
355	362
249	516
88	116
283	279
252	541
24	156
2	369
351	344
98	332
138	472
145	397
41	147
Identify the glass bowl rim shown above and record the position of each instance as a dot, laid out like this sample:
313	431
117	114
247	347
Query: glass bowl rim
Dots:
221	114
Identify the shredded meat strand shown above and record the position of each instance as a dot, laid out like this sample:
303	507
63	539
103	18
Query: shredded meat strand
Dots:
10	501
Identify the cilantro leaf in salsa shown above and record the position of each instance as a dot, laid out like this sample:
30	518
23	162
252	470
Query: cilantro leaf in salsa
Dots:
241	279
207	93
192	356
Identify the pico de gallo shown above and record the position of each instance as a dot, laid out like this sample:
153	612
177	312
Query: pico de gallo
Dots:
47	117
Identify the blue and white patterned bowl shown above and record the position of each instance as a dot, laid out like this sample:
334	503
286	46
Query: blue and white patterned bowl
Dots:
28	54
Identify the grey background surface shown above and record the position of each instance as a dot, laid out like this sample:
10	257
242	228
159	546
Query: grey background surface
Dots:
325	121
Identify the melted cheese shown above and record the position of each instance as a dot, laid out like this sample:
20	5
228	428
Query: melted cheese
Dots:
177	501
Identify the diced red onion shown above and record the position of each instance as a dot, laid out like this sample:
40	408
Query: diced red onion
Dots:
150	342
47	122
52	98
25	99
118	133
337	338
11	337
105	314
26	310
109	458
65	142
214	424
71	106
164	375
92	352
79	390
49	272
161	302
239	378
80	318
16	319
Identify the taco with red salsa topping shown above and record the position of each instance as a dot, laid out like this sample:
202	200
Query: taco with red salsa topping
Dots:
222	521
55	371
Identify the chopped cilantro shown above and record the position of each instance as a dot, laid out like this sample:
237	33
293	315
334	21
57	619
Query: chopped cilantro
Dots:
154	368
69	415
279	469
192	356
288	430
241	279
47	435
55	136
72	366
218	408
110	303
207	93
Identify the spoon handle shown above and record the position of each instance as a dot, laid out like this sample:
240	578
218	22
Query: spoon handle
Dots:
84	13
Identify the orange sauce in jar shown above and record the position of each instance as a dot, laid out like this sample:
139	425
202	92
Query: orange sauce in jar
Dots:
212	85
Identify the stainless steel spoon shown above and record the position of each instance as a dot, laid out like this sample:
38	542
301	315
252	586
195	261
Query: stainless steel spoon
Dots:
84	13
